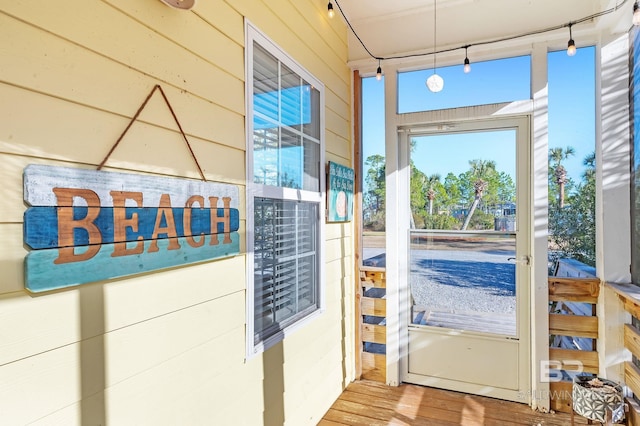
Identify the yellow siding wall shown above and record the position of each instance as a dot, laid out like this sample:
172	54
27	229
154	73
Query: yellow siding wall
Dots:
165	347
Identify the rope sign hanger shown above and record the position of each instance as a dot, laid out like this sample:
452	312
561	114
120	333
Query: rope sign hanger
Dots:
135	117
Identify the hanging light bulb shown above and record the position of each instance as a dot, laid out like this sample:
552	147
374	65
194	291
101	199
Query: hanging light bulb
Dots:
636	13
571	46
330	11
435	83
467	64
379	72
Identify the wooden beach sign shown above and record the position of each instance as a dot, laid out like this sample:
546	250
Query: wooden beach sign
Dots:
85	225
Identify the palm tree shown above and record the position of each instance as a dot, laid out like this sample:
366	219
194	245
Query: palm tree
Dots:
590	163
480	169
431	192
557	155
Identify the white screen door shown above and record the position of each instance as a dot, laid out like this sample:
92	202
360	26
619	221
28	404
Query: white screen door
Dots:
468	266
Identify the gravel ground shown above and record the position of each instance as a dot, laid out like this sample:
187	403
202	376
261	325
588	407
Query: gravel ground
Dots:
462	280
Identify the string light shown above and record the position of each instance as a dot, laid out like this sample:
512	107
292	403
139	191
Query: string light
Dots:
379	72
330	11
589	18
571	46
636	13
467	64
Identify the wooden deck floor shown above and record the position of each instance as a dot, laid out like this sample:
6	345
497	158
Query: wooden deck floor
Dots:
485	322
370	403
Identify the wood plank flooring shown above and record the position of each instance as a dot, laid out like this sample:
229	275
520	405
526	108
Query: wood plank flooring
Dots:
485	322
371	404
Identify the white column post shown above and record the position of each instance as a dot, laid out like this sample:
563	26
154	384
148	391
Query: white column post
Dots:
393	226
613	218
539	282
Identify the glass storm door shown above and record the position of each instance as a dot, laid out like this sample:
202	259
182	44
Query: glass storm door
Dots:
468	272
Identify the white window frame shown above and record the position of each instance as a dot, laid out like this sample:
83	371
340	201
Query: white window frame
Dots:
278	192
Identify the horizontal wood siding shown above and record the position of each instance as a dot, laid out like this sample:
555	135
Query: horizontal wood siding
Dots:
632	340
570	357
631	306
632	377
374	333
375	307
164	347
573	325
572	290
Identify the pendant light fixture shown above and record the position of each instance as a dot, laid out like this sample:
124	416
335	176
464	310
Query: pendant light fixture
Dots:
467	64
571	46
379	72
435	83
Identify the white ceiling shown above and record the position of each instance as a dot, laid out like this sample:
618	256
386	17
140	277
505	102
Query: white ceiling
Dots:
397	27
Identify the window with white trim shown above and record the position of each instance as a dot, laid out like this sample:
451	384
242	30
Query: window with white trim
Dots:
285	195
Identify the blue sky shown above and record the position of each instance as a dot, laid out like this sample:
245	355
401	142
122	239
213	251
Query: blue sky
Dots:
571	110
432	154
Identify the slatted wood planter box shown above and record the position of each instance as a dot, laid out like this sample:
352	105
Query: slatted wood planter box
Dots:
629	294
570	328
632	373
373	332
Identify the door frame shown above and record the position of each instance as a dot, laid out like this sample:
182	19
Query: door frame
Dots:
522	343
537	109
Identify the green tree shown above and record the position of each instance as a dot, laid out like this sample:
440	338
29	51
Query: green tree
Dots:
452	192
585	205
506	188
441	221
572	227
375	194
433	202
418	195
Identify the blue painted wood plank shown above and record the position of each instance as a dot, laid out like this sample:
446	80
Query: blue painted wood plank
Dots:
41	224
42	274
39	181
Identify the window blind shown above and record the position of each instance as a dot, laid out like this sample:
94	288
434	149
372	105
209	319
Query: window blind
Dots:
285	262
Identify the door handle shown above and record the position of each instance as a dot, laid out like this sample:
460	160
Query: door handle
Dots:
524	260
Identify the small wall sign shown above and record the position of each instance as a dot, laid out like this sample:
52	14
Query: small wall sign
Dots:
340	193
85	225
